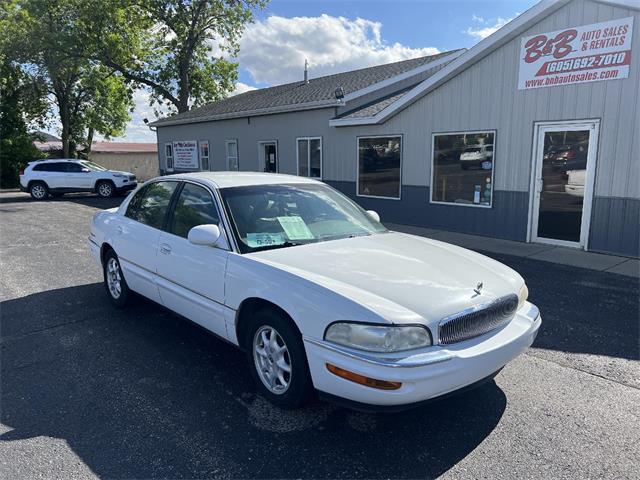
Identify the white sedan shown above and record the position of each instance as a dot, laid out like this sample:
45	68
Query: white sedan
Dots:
317	292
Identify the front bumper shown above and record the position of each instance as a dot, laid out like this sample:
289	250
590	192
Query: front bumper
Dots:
425	374
126	187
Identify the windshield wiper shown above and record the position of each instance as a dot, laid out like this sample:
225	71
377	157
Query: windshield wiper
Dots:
278	245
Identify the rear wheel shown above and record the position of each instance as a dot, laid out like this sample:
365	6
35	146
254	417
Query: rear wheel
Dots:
39	190
105	189
277	359
114	282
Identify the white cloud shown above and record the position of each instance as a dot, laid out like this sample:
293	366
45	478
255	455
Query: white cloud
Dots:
477	18
241	88
273	50
483	32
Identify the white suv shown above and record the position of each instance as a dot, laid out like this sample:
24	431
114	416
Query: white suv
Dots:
42	178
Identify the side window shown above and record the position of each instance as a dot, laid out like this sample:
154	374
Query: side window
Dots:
149	205
73	167
194	207
41	167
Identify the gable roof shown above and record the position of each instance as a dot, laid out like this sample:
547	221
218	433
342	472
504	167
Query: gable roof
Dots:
483	48
317	93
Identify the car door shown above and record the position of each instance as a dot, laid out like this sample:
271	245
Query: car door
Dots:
78	177
136	236
191	277
54	174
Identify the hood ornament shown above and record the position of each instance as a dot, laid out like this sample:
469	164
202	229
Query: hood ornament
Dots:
478	288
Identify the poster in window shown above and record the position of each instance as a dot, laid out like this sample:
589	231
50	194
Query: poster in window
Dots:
185	154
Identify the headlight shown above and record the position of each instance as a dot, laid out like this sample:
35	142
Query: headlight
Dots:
378	338
118	175
523	294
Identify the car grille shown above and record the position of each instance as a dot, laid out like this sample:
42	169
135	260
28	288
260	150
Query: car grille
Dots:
477	321
132	178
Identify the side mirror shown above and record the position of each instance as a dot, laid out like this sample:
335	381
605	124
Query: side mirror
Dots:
209	235
85	170
373	215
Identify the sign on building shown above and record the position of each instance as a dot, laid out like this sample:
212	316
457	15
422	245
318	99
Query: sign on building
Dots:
185	154
590	53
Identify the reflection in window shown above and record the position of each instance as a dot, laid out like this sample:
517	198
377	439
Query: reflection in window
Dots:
194	207
379	165
310	157
232	155
150	204
463	168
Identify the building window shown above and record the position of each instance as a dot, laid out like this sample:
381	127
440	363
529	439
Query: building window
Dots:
204	155
463	168
310	157
232	155
379	166
168	154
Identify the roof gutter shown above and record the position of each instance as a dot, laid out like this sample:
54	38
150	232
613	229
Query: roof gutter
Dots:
464	61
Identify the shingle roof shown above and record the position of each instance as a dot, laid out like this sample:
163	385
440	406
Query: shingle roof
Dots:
321	89
371	109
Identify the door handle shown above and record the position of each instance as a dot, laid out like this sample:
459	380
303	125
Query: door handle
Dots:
164	248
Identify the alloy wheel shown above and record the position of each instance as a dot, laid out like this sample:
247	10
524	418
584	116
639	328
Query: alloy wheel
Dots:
105	190
114	280
272	359
38	191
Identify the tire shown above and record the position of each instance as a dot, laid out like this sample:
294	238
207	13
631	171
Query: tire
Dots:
39	190
105	189
114	282
271	325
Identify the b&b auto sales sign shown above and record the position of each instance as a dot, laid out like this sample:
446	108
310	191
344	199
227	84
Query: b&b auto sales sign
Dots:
590	53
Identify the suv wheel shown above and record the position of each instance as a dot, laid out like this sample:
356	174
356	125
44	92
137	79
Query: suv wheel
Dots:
114	282
39	190
105	189
277	360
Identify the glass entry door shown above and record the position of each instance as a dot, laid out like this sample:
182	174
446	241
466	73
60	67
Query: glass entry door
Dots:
269	156
563	183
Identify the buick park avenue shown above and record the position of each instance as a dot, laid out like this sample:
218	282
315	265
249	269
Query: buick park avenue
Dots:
317	292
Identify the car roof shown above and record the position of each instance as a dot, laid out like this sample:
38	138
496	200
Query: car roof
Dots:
226	179
51	160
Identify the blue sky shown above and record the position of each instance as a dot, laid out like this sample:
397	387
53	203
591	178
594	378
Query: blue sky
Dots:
337	36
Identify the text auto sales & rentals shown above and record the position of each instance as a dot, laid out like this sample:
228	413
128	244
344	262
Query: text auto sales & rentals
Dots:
600	51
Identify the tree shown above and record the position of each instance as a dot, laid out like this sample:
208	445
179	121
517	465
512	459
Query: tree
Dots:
166	45
44	41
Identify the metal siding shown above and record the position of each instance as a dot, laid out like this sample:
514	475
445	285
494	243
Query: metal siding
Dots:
508	220
615	226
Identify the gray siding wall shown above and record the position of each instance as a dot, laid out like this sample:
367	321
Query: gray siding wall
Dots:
483	97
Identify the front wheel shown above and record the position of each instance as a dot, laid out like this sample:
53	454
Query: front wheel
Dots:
105	189
114	282
277	360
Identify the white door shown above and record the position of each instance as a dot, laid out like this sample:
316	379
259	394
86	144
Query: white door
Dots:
78	176
136	238
191	277
563	178
54	174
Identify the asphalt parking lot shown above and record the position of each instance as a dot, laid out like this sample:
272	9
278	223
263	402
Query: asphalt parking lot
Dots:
90	391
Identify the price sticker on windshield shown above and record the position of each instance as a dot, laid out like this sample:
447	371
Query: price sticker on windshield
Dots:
295	228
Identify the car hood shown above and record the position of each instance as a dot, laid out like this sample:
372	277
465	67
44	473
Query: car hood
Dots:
403	278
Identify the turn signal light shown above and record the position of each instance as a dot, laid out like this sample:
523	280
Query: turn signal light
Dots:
362	380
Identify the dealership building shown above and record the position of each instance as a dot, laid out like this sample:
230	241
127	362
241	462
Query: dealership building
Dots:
531	135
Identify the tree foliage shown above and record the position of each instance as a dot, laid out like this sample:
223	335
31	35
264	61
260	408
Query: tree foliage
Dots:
177	49
43	39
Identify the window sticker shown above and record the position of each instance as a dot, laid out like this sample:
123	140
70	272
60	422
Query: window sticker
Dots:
264	239
295	228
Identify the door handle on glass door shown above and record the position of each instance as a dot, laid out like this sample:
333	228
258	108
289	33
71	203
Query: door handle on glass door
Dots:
164	248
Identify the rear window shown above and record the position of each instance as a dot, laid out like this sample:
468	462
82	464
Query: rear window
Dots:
149	205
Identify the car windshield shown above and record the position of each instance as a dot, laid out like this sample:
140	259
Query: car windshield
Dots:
93	166
285	215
